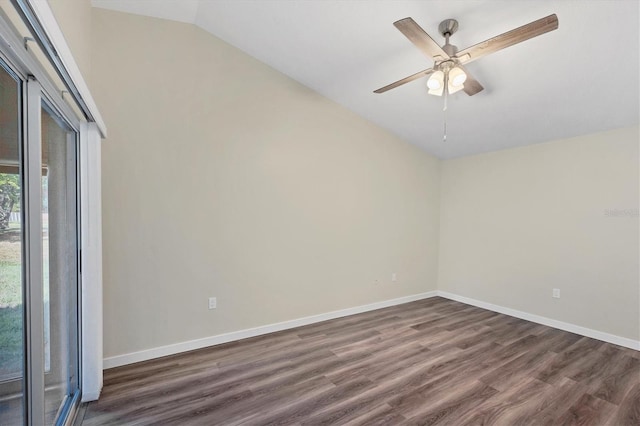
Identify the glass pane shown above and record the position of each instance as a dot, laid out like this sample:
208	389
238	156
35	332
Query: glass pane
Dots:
60	263
11	255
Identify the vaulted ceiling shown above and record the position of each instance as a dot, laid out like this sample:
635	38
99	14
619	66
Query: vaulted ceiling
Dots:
580	79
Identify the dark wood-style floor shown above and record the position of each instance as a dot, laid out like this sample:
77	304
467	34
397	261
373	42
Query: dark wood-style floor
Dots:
434	361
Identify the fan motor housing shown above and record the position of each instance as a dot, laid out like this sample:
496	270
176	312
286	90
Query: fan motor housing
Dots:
448	26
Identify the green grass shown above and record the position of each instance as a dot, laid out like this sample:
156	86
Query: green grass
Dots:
11	308
11	325
10	284
10	341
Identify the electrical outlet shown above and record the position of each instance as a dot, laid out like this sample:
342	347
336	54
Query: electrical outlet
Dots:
556	293
213	303
394	277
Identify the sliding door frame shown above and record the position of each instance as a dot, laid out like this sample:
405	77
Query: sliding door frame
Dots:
34	307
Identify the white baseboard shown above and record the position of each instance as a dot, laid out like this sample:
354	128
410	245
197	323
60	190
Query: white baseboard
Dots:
130	358
176	348
583	331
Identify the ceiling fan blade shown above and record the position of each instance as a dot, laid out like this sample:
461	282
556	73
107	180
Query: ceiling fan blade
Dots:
471	85
421	39
404	80
515	36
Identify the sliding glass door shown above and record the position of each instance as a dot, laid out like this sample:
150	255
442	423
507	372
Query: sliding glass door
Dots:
12	329
39	256
59	262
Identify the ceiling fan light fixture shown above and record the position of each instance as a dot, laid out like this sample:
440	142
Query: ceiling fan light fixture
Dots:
457	77
435	83
453	89
436	92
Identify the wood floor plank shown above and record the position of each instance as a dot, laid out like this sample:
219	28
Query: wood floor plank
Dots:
514	371
382	415
554	404
449	408
588	410
502	405
565	360
432	361
293	395
628	413
307	406
620	379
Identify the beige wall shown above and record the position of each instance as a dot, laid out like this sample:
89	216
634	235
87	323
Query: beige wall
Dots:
517	223
223	177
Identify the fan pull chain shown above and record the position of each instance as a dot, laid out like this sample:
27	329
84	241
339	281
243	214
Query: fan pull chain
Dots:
444	113
444	138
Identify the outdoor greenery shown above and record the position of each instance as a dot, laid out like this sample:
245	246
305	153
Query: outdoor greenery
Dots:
10	291
10	308
9	197
10	341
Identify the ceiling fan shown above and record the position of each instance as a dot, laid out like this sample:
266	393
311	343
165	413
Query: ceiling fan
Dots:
448	70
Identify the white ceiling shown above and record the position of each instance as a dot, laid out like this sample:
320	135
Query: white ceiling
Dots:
580	79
